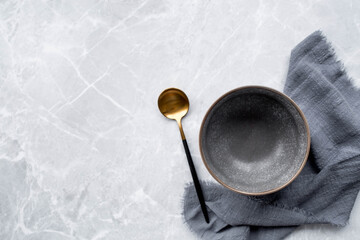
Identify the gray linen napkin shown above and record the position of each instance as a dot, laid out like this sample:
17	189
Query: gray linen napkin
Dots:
327	187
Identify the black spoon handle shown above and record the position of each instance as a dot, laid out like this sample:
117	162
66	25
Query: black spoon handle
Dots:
196	182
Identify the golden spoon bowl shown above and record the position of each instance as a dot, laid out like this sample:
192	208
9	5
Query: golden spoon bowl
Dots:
174	104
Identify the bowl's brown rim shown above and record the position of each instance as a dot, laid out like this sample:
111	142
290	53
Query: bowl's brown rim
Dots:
271	190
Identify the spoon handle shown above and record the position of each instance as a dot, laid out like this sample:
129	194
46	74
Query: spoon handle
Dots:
196	182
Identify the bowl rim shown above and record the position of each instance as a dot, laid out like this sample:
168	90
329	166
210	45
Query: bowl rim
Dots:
307	147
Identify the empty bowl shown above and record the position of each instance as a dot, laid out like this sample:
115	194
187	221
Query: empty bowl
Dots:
254	140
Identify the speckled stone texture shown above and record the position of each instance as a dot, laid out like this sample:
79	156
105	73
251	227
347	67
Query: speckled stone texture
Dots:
84	151
254	140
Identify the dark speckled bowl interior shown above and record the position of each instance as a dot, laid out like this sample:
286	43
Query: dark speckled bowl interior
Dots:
254	140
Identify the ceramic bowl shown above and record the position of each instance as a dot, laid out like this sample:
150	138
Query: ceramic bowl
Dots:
254	140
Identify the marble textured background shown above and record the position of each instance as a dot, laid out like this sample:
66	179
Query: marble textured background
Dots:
84	152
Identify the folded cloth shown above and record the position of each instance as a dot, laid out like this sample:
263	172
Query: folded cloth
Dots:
327	187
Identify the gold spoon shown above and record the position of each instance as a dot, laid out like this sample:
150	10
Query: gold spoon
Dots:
174	104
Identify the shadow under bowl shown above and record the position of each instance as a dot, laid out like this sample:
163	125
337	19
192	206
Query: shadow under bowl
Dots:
254	140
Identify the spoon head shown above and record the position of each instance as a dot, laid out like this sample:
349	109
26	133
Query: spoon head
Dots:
173	103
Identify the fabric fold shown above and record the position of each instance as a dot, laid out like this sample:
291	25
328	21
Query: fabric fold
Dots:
326	189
